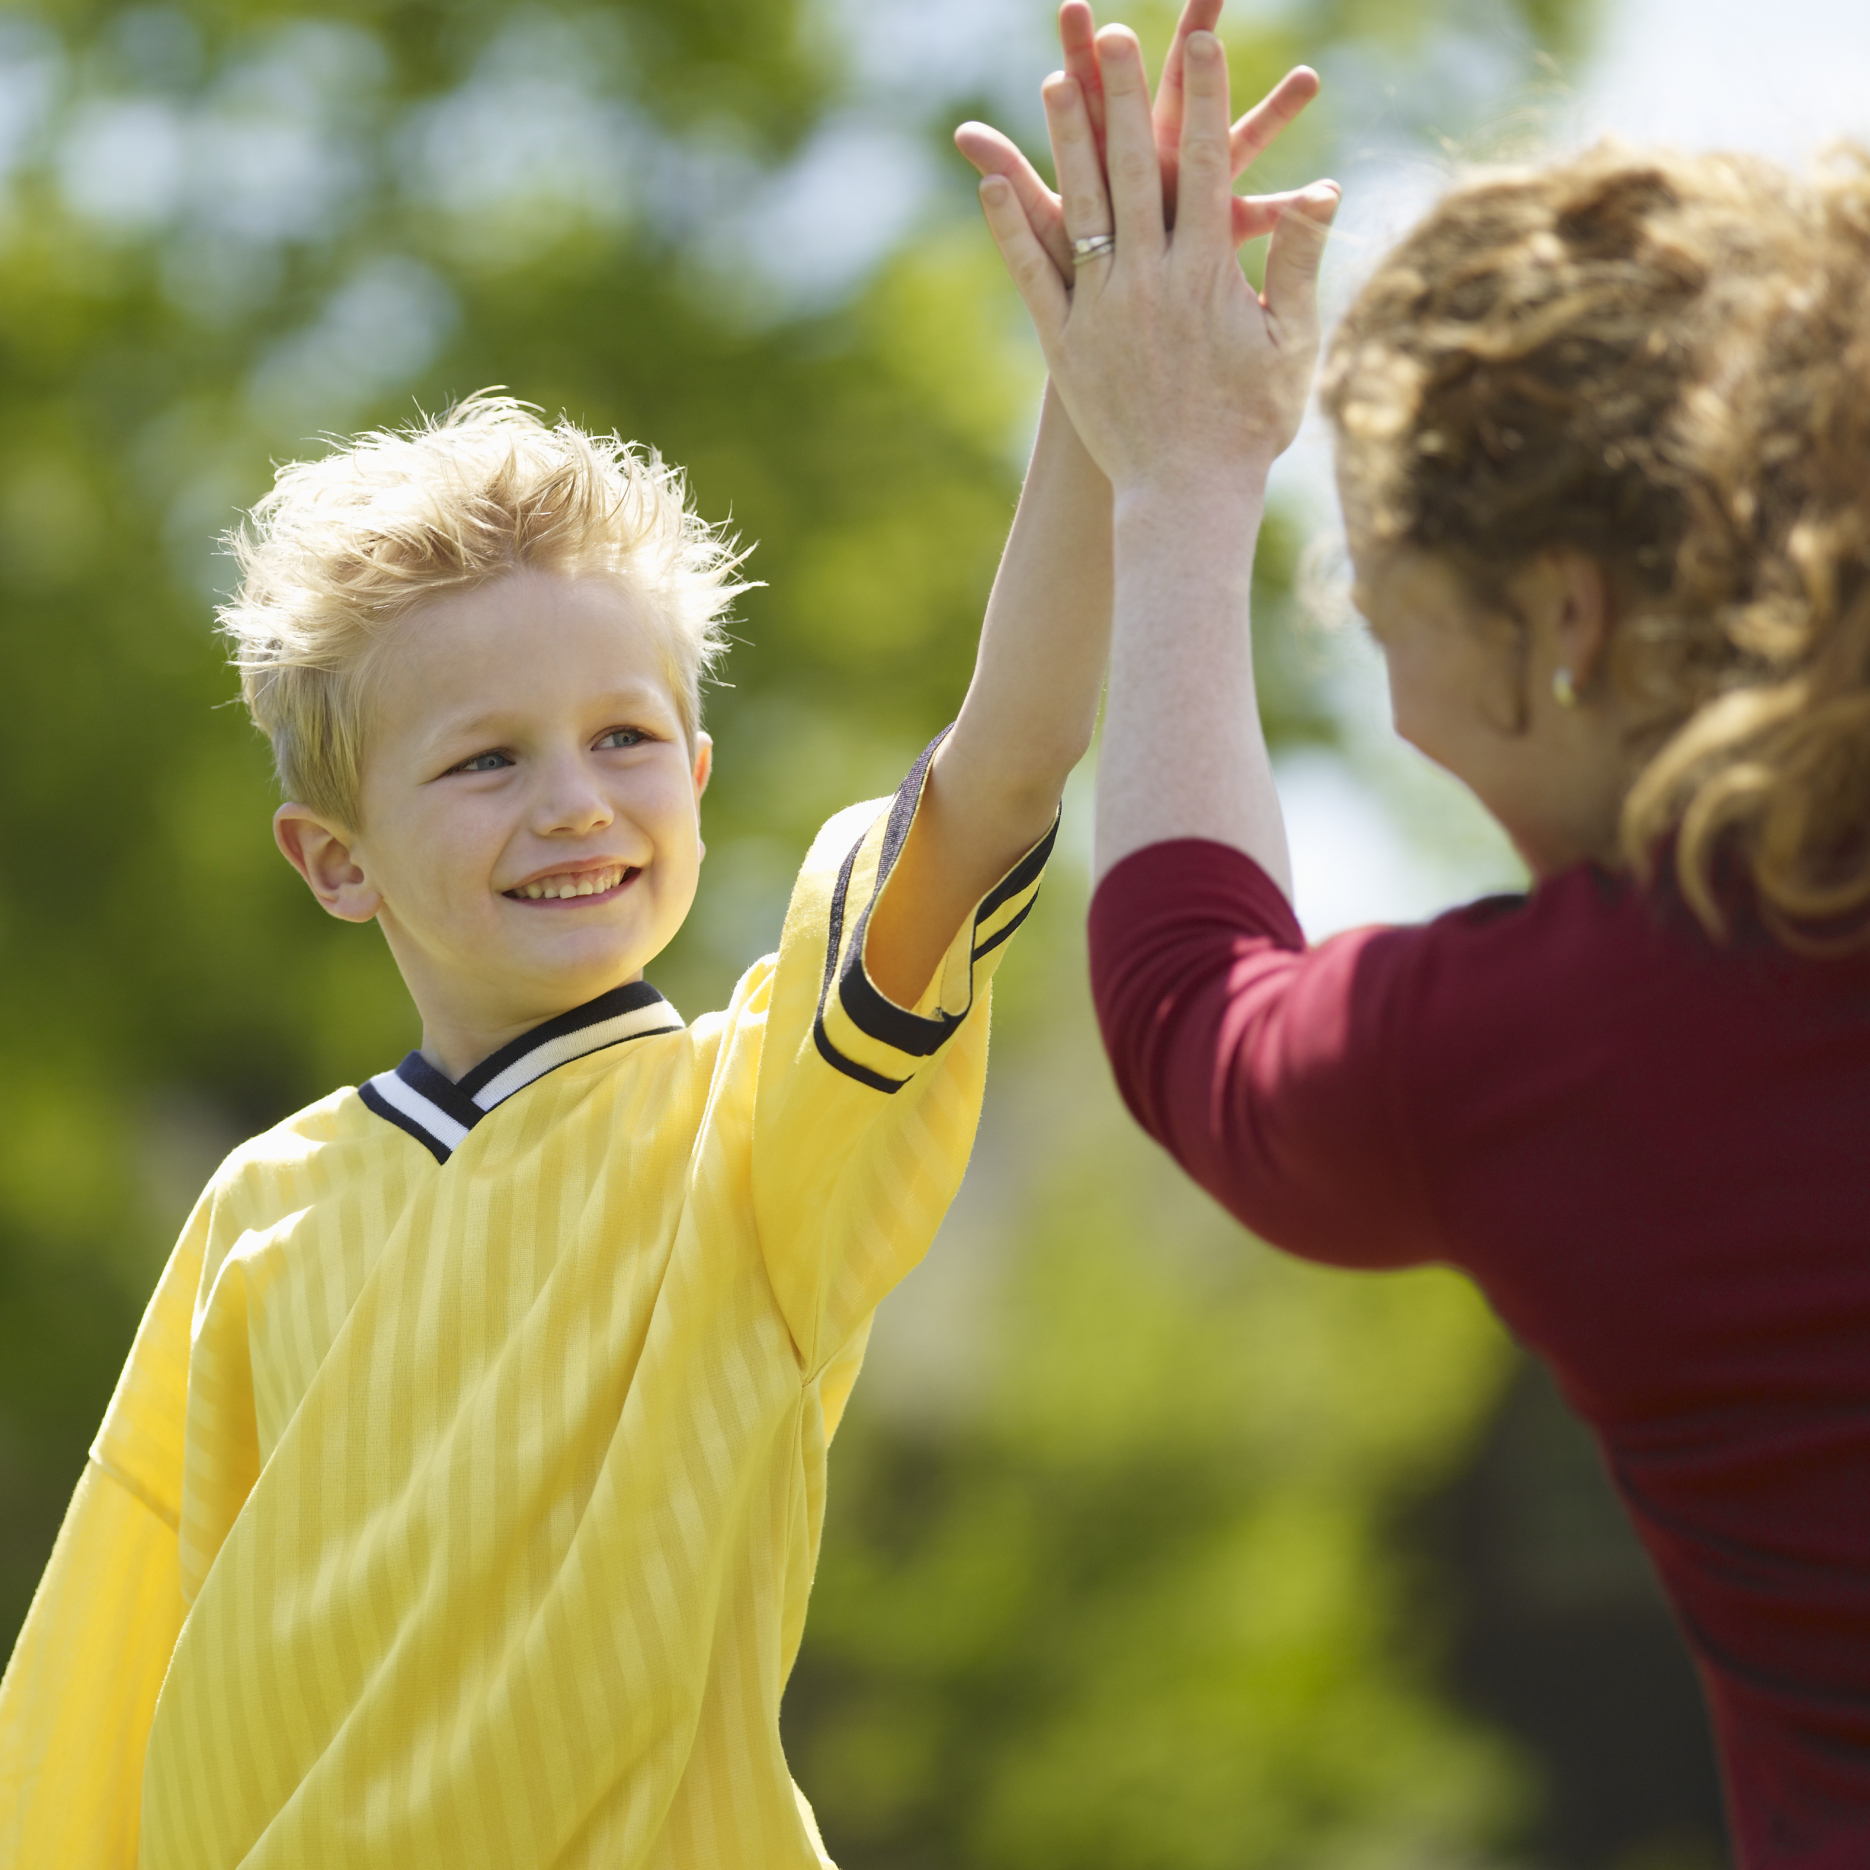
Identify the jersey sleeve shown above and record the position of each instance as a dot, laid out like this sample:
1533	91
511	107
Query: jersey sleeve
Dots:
79	1695
80	1691
865	1110
1273	1072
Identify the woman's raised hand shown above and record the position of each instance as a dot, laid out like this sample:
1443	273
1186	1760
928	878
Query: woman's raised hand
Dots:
1171	366
1254	215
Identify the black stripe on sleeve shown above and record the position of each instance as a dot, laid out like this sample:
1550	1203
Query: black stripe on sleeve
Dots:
919	1035
875	1080
999	935
902	816
1022	876
915	1035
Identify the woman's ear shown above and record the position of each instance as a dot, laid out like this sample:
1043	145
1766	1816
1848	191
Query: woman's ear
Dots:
323	855
1566	601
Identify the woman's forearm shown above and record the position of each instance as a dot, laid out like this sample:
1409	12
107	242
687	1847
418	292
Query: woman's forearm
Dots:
1183	754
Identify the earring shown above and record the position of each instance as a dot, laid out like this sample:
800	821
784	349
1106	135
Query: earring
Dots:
1564	689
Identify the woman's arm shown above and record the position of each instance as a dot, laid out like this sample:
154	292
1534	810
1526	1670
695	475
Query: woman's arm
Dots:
1185	384
1183	754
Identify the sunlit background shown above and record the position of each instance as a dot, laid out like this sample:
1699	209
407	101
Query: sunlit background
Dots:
1149	1550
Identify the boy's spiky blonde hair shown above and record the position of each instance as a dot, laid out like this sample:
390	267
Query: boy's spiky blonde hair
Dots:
346	545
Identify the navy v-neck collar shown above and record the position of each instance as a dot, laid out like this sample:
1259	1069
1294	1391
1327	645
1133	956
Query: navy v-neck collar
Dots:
439	1111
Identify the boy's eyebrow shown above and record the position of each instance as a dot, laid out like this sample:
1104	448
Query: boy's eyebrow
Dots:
492	723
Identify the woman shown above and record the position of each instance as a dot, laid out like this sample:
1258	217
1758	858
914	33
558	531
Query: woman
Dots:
1603	439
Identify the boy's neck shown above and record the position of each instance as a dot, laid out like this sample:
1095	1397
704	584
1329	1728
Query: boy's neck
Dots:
455	1042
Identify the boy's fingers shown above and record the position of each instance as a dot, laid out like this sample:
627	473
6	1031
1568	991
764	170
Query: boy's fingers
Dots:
1292	261
1074	155
1197	16
1130	157
1204	214
1031	266
994	154
1255	132
1077	38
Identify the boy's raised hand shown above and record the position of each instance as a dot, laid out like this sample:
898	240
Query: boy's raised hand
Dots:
1171	366
1253	215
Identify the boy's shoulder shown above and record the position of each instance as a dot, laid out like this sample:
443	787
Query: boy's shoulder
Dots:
294	1142
844	829
824	879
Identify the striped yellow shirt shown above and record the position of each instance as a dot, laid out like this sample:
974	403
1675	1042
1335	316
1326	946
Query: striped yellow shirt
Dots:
459	1503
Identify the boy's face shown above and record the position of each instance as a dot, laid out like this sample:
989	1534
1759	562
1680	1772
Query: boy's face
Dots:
529	830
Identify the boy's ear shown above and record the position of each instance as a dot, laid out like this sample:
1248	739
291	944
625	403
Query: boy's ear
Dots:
704	768
322	855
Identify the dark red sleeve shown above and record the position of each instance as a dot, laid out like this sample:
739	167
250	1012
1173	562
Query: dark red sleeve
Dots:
1269	1070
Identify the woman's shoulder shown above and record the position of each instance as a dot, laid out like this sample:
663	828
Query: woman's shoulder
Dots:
1592	963
1584	914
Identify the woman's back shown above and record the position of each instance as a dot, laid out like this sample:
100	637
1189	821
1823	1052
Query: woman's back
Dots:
1651	1150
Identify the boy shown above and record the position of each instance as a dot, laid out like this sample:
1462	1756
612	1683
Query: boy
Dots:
459	1502
460	1499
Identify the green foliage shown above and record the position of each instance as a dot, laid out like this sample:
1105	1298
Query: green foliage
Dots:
1140	1601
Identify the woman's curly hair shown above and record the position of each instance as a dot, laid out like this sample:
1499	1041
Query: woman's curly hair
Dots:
1662	361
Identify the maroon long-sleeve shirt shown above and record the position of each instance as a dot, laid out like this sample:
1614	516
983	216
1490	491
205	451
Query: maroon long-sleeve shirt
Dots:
1652	1152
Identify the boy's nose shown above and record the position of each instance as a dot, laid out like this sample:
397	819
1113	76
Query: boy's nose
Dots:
569	802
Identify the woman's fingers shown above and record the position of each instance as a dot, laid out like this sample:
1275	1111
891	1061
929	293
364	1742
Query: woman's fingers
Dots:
1255	216
994	154
1077	39
1130	157
1255	132
1074	155
1044	293
1290	293
1204	220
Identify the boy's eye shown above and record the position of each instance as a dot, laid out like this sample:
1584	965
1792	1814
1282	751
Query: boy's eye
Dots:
484	763
622	737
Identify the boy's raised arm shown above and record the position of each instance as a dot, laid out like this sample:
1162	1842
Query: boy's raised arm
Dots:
994	784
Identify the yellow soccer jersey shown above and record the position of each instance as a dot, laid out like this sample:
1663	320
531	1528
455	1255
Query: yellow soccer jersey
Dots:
459	1503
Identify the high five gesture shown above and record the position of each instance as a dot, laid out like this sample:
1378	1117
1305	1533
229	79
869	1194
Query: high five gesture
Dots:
1253	215
1184	384
1168	361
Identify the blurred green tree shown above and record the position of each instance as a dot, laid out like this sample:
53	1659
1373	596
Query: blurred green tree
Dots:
1130	1594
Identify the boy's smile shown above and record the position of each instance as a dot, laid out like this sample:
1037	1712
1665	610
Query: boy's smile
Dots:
564	886
529	836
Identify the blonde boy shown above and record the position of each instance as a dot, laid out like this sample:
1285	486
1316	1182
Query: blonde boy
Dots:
459	1502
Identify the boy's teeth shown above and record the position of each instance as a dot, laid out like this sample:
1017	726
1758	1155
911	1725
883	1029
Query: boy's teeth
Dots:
593	883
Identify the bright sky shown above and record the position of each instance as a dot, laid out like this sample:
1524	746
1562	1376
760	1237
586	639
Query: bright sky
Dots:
1783	79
